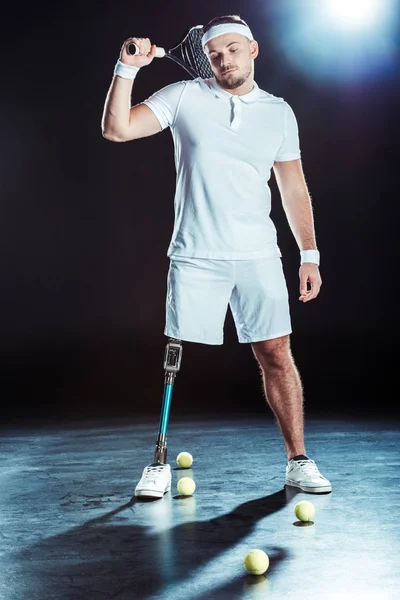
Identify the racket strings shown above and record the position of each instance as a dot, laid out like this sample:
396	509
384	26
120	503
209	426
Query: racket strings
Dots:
193	54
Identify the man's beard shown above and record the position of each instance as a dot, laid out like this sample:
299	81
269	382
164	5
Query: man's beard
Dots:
234	81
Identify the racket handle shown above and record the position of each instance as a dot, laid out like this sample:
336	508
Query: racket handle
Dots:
133	49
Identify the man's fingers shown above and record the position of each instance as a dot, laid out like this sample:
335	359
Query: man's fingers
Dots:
310	294
310	282
303	285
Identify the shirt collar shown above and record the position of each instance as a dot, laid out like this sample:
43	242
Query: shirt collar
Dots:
220	93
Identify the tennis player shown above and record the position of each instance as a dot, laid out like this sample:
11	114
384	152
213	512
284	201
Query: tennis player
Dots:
228	136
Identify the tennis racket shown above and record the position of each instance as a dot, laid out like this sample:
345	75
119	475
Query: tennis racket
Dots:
188	54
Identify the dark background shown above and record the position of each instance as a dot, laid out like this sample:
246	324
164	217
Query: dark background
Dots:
86	224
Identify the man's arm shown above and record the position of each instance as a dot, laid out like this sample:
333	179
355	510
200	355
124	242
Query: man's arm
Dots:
120	121
297	205
296	202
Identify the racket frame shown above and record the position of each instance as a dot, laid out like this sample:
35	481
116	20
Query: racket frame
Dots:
163	53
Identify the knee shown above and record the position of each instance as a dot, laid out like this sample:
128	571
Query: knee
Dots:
273	353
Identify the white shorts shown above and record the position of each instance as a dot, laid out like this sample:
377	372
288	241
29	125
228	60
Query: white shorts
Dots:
199	291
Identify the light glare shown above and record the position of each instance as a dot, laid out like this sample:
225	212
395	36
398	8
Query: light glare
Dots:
354	13
338	40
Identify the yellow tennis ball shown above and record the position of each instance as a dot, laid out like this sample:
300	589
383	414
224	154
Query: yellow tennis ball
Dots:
184	460
256	562
186	486
304	510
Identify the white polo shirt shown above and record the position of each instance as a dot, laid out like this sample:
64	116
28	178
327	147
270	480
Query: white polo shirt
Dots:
225	147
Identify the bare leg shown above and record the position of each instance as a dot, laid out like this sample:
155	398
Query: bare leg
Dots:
283	390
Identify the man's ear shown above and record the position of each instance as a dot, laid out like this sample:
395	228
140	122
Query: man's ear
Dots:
253	48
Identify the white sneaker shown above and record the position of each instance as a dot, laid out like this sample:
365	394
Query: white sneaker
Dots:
304	474
155	481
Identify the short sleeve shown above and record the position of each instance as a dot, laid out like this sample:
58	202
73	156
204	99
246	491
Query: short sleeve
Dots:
290	147
164	103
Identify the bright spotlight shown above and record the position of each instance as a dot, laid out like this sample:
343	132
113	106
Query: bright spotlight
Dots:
354	13
338	40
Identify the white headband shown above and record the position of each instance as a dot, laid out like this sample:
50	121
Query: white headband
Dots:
226	28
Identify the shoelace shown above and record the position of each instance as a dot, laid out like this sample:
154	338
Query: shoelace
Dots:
308	466
152	472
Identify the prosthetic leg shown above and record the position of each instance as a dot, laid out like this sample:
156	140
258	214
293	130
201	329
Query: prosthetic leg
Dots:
172	363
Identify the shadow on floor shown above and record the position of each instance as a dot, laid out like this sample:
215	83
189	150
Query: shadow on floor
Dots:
98	560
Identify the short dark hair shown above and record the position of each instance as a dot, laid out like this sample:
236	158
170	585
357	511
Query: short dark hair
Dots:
222	20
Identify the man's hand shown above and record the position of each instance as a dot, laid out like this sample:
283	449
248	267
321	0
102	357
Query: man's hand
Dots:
310	281
147	52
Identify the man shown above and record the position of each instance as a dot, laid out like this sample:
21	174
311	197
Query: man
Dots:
228	135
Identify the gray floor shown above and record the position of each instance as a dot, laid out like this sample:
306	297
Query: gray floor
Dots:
70	529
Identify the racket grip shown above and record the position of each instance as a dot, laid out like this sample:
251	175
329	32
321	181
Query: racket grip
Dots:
133	49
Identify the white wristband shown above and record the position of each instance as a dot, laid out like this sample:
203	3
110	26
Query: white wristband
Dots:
311	256
125	71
